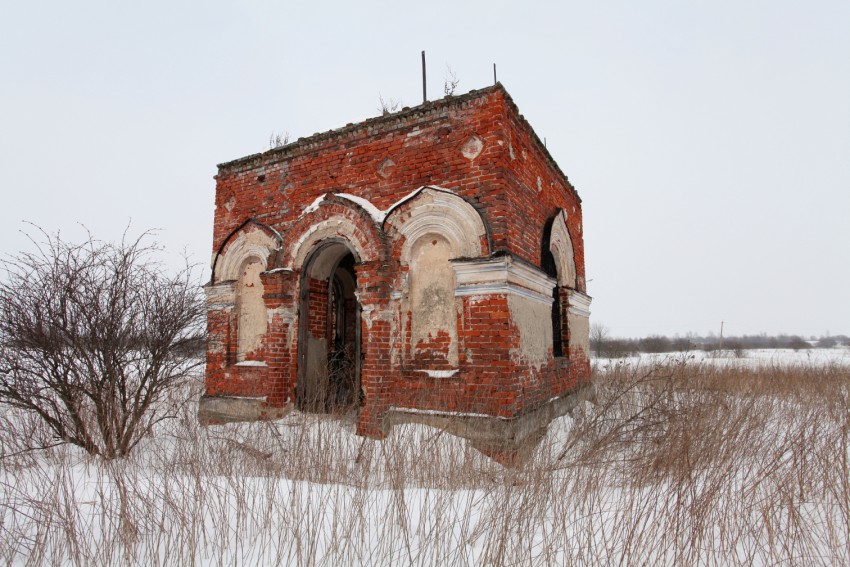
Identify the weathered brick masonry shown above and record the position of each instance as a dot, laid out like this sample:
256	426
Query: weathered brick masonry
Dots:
428	262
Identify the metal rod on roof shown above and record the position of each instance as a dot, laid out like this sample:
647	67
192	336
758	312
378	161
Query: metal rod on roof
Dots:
424	84
494	74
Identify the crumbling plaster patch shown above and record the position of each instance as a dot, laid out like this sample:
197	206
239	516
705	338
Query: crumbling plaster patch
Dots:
386	168
432	301
287	316
472	147
578	318
533	319
252	322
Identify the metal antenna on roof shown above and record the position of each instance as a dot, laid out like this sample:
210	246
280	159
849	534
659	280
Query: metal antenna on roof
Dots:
424	90
494	74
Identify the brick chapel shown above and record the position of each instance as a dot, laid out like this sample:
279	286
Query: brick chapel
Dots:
422	266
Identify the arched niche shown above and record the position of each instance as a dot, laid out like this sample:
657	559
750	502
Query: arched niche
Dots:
253	240
561	247
434	211
436	227
238	288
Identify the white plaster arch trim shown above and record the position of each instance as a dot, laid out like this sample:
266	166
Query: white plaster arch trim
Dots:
251	242
408	197
335	227
377	215
440	213
561	246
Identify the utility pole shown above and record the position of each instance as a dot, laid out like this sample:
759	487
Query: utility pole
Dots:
721	336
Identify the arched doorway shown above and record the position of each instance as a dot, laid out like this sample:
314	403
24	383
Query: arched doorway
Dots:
329	331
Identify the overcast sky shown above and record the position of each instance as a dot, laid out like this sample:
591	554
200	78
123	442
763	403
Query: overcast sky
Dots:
709	141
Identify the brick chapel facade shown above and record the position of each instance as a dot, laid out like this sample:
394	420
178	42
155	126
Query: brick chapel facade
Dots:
428	263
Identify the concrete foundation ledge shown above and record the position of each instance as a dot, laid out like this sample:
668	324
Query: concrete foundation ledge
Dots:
214	410
518	434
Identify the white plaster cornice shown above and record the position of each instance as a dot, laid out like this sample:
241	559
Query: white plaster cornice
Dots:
579	303
502	275
220	296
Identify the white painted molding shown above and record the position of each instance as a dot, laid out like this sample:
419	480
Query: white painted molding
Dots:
440	373
502	275
221	296
502	289
579	303
253	242
439	213
377	215
416	411
561	246
333	227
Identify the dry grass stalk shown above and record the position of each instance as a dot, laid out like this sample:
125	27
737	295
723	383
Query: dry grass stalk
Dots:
678	464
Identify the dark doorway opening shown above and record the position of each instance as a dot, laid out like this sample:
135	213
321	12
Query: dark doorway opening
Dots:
329	333
551	269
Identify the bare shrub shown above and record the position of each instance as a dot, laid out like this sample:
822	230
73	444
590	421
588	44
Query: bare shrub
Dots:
450	82
388	106
278	140
736	348
796	343
92	336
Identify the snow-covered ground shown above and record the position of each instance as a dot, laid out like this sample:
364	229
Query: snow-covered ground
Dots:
654	474
752	358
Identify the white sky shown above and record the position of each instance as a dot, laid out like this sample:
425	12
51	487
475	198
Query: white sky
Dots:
710	141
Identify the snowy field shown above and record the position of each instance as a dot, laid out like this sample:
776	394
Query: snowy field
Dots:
714	461
750	358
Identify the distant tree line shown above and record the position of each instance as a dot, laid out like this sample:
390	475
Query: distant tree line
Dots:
605	346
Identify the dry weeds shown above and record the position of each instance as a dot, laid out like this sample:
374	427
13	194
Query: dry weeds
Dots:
677	465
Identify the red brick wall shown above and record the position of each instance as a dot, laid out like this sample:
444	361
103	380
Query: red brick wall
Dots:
276	186
317	308
536	190
383	160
